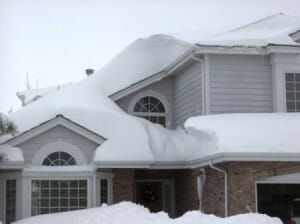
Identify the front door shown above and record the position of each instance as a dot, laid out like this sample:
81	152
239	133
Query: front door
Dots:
156	195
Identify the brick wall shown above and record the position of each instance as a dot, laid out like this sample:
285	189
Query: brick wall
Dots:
242	177
185	186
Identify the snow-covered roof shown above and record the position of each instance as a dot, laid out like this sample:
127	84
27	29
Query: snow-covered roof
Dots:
273	30
10	156
145	143
256	133
30	95
141	59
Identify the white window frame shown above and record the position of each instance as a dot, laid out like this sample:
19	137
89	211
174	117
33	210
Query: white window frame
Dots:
104	176
281	66
161	98
59	146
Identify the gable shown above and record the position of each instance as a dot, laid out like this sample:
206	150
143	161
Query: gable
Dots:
58	133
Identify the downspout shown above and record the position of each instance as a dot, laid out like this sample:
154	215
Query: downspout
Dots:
200	187
201	61
211	165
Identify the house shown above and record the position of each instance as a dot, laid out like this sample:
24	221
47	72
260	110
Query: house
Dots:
79	146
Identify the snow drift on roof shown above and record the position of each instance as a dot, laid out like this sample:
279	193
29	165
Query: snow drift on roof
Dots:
271	30
130	140
252	133
141	59
28	96
10	154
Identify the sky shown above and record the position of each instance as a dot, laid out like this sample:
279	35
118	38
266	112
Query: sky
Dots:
54	41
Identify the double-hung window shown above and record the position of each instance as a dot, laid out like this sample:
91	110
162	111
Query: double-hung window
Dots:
292	83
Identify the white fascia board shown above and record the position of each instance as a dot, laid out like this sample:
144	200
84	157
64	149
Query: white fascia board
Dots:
283	49
206	49
12	165
59	120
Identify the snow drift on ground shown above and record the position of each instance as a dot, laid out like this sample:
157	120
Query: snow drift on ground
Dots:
271	30
129	213
251	133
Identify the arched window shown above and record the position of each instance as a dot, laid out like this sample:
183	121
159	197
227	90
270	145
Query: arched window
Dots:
59	159
152	109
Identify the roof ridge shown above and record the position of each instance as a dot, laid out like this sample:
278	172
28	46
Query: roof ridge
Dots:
255	22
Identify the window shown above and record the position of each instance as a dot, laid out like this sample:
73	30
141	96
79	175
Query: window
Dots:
292	81
59	159
10	201
103	191
152	109
50	196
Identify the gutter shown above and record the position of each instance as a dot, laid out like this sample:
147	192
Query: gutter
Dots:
211	165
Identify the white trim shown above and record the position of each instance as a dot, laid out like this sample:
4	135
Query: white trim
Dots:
151	93
206	83
58	120
61	146
282	64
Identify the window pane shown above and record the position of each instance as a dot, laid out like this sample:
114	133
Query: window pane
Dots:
104	191
150	108
58	195
289	77
59	159
293	92
10	201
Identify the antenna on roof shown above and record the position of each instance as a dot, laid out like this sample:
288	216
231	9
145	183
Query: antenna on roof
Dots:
28	87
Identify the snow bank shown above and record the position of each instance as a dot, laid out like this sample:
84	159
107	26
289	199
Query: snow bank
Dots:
271	30
252	133
129	213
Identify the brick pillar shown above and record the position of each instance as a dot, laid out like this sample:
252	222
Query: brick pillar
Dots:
123	185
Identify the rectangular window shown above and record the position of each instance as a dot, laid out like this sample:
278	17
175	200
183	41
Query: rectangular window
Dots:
103	191
292	84
10	201
50	196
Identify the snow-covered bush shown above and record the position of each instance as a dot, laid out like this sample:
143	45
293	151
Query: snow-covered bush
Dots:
6	125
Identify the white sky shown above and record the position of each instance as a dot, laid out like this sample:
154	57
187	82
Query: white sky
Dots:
56	40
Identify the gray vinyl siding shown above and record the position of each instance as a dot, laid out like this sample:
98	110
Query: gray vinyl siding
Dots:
240	84
187	93
164	87
33	145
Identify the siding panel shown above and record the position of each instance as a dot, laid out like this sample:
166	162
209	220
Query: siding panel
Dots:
31	146
187	94
240	84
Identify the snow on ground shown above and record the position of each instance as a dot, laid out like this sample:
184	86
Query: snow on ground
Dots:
271	30
251	133
130	213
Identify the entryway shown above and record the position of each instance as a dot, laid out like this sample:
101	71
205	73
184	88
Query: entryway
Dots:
156	195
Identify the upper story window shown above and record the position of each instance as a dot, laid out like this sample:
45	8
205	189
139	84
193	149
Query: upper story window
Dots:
59	159
292	81
152	109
